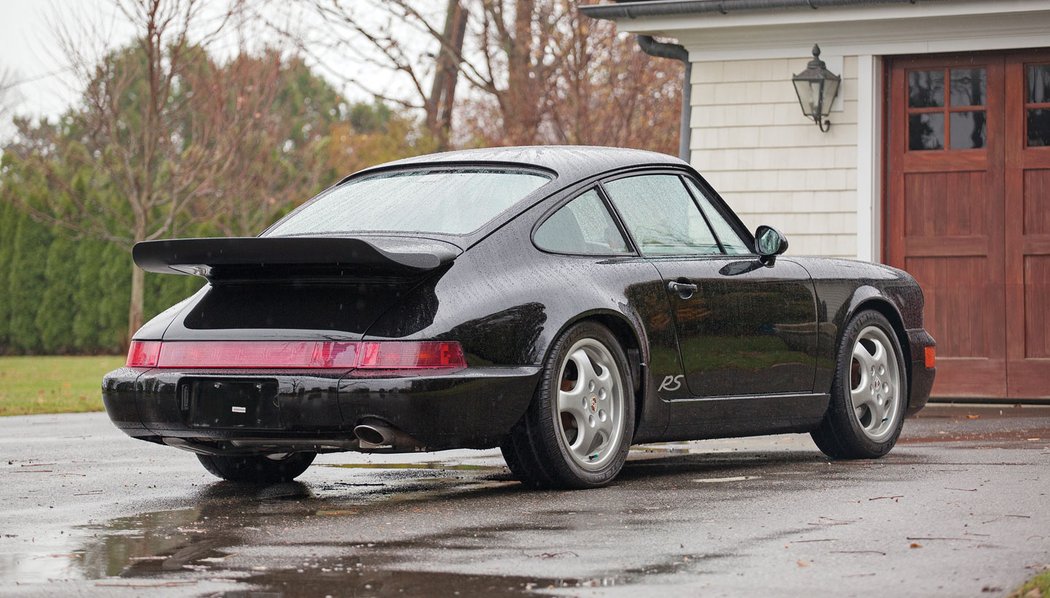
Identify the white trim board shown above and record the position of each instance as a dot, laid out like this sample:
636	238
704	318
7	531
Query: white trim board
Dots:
869	158
883	38
675	25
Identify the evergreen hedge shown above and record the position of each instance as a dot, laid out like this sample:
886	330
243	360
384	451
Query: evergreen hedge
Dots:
62	296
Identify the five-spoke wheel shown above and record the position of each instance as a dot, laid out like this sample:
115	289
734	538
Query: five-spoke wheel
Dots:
875	383
590	404
578	428
869	393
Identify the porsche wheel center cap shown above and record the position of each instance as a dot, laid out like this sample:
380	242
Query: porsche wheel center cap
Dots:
594	404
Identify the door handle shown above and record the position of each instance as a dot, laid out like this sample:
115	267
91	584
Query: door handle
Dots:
685	290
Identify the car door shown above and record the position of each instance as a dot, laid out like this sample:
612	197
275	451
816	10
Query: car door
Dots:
584	233
743	327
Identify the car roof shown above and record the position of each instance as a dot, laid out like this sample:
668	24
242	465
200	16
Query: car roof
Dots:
568	162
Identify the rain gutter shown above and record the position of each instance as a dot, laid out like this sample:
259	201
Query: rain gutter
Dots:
675	52
654	8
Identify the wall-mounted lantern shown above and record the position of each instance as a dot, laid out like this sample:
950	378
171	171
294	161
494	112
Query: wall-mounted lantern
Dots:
816	88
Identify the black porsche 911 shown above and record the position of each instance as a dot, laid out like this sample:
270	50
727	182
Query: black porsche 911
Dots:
561	303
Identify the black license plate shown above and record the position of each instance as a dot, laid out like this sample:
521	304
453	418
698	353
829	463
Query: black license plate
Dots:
220	403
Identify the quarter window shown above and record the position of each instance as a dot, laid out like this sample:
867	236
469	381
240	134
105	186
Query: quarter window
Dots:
661	215
583	226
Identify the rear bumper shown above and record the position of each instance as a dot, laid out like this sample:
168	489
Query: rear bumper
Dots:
921	381
472	408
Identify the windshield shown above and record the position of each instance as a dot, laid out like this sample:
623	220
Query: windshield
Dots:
432	201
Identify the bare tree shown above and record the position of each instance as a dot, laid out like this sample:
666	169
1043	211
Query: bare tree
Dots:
157	131
282	157
441	101
7	97
419	42
535	71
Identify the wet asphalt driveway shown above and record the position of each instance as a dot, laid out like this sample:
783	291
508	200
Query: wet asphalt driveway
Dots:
960	508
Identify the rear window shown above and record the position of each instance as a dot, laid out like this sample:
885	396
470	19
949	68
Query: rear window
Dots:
452	202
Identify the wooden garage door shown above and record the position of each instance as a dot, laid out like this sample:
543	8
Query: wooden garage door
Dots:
968	214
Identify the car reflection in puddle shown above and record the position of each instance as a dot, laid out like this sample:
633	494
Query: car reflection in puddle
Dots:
184	546
364	533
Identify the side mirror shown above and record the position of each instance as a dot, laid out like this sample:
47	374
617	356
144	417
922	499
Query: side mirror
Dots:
769	242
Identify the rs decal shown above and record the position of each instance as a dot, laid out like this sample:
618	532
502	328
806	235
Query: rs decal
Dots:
671	383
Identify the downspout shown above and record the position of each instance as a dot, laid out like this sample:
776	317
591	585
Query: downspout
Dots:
675	52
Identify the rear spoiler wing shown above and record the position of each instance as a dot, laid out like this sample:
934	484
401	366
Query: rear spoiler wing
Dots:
292	257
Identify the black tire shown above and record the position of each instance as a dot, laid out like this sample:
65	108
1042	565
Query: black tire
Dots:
258	469
538	450
857	433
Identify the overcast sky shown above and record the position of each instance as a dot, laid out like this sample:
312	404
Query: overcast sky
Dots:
28	47
45	86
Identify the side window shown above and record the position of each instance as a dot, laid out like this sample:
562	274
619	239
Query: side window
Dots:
582	226
731	241
661	215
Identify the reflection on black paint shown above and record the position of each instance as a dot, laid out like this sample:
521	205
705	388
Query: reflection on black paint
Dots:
348	307
649	300
738	268
747	330
505	337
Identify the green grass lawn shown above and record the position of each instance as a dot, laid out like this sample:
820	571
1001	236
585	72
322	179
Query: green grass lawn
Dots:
53	384
1037	587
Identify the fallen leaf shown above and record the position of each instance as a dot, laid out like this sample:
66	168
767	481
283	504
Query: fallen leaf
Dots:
915	545
803	564
973	417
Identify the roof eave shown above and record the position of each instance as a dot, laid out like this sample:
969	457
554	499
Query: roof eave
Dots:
656	8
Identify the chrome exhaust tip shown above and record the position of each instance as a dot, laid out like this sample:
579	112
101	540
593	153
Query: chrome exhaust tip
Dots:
373	434
376	434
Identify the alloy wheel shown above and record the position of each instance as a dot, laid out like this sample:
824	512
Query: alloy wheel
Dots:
590	405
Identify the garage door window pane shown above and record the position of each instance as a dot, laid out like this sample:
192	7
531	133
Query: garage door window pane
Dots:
584	227
926	131
731	241
968	130
969	87
1039	83
661	215
1038	128
926	89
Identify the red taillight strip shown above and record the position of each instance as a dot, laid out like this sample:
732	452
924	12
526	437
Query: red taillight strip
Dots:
375	355
143	354
425	355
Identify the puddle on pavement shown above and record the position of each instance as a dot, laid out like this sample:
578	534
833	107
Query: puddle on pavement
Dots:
355	578
233	536
253	537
